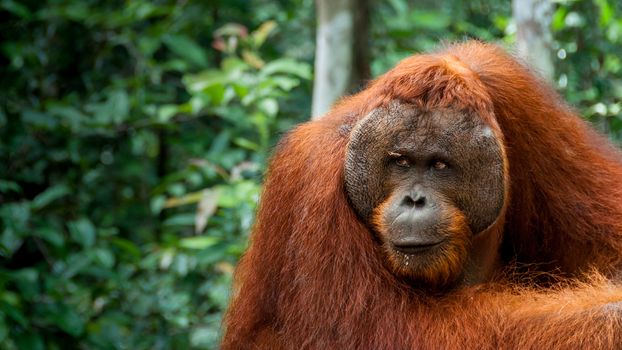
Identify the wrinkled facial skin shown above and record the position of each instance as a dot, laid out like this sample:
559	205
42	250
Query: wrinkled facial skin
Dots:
427	183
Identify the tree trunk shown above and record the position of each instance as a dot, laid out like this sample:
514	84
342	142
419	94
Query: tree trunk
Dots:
533	34
341	58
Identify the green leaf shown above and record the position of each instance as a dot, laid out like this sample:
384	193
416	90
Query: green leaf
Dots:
269	106
285	83
103	257
157	204
27	282
49	195
180	220
17	215
204	337
113	111
216	93
219	294
246	143
234	65
198	242
50	235
83	232
68	116
606	12
9	186
559	16
166	112
14	313
126	246
431	20
9	241
39	119
288	66
68	319
118	106
16	9
399	6
205	79
187	49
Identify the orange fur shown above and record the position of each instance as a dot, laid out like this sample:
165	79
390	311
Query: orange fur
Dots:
314	277
440	269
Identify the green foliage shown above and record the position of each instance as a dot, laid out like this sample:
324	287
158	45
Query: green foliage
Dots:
401	27
133	153
588	50
134	135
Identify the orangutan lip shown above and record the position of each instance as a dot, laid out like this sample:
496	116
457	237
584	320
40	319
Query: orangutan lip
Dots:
415	248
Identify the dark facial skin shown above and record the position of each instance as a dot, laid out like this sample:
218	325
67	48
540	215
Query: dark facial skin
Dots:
428	183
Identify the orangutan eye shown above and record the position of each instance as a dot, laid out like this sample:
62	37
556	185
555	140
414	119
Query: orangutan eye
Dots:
439	165
402	161
399	159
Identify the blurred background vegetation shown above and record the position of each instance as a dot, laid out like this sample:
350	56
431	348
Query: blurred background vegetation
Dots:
134	135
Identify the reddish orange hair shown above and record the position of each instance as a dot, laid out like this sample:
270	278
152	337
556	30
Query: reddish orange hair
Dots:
314	278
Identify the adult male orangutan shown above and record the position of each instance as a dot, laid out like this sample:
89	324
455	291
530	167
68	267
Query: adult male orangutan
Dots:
456	203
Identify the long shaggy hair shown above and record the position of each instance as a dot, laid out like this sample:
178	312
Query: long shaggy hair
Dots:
314	277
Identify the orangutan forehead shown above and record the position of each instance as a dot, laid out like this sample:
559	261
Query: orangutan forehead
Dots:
439	122
406	122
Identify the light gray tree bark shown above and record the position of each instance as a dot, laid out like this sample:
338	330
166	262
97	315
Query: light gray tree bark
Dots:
533	34
340	51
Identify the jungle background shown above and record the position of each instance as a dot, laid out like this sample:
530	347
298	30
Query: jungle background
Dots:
134	136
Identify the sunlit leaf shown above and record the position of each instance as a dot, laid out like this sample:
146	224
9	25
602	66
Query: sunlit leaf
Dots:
269	106
285	83
261	34
189	198
606	12
252	59
198	242
166	112
206	208
232	29
558	18
288	66
233	64
246	143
